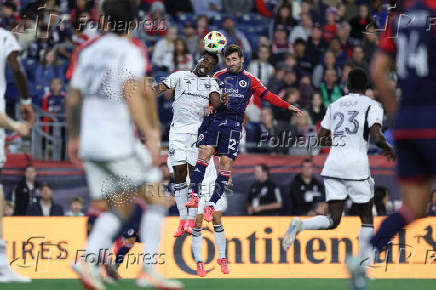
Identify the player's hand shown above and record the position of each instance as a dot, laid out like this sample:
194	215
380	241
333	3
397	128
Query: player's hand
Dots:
209	110
73	146
152	142
297	111
389	153
21	128
224	98
27	114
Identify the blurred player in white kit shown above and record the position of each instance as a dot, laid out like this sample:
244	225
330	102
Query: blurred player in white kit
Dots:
109	96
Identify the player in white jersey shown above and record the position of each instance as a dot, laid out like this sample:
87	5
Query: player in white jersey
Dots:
191	103
9	52
108	96
351	120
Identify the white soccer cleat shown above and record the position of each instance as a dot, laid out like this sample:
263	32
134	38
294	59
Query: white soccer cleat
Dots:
90	275
291	233
9	276
357	272
150	278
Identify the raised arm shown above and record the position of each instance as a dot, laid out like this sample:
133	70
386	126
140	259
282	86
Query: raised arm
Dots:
159	89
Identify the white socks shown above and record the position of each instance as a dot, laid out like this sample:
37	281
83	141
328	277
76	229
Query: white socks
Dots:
102	234
220	240
197	240
181	196
192	212
320	222
151	228
366	251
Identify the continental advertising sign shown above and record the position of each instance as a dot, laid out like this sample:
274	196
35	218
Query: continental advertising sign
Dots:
46	247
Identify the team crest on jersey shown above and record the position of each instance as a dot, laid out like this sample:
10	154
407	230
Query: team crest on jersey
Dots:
207	86
242	83
200	137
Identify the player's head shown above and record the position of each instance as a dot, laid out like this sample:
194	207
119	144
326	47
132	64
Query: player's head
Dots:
206	64
118	15
357	81
234	58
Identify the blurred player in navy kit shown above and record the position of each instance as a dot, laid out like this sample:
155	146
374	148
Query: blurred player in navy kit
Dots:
411	43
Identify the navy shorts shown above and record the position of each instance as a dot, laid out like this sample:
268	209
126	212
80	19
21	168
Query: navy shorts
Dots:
224	136
416	159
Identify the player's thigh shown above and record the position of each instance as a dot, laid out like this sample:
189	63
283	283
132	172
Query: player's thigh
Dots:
228	142
416	160
416	196
177	148
97	176
191	149
335	189
360	191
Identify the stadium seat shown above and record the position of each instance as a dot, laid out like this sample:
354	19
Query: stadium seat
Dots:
186	17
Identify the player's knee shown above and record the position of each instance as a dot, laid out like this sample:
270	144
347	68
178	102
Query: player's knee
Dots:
198	221
226	163
205	152
180	172
218	228
216	220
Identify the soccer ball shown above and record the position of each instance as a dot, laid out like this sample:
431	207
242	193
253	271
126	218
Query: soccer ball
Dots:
214	42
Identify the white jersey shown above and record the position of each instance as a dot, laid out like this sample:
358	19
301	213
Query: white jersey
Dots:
349	120
107	130
8	44
190	100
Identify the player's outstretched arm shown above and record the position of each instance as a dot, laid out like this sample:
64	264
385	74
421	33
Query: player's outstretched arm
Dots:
380	141
20	127
21	82
380	69
159	89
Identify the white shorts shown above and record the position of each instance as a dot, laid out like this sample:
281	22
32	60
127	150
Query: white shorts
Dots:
206	193
182	149
359	191
110	177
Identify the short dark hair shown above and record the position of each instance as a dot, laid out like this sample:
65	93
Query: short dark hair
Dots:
45	184
357	80
263	167
29	166
232	48
215	56
76	199
306	160
119	11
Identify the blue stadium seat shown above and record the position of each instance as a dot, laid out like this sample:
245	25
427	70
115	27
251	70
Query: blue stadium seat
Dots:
217	19
253	20
182	18
252	129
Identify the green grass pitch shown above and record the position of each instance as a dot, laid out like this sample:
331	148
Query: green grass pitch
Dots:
252	284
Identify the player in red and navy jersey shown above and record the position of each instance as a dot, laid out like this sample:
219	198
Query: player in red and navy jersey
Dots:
221	132
411	42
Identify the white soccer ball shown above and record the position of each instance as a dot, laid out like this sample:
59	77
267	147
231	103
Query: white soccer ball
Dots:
214	42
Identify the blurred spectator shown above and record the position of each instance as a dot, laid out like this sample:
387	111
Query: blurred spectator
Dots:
8	17
45	206
276	82
282	116
76	207
202	23
261	68
54	101
289	80
190	37
234	36
280	45
369	45
330	90
432	206
37	49
176	7
209	8
329	29
329	63
315	45
237	8
351	11
346	68
304	65
26	191
316	108
360	22
283	20
165	111
307	192
302	31
182	56
9	209
303	132
163	52
381	198
268	130
319	9
359	58
82	6
46	71
157	19
264	197
336	48
344	38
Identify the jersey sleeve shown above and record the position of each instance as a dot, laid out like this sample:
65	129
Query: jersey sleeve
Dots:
214	87
325	123
10	44
386	41
173	80
375	114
